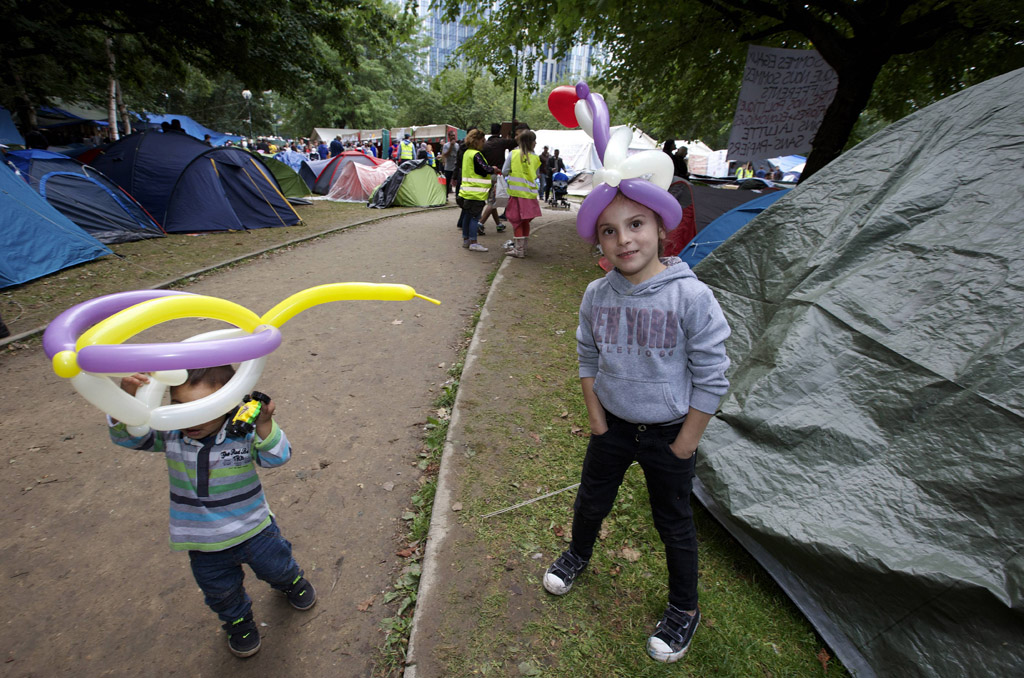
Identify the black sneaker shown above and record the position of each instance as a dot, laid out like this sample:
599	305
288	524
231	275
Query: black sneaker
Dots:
480	230
501	227
560	576
301	594
673	634
243	636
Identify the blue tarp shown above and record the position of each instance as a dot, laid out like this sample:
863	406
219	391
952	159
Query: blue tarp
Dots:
35	238
9	134
786	163
86	196
293	159
722	228
193	128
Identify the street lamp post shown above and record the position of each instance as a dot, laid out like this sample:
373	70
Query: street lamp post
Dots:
247	95
515	82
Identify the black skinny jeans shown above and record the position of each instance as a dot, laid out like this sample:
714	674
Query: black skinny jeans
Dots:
669	481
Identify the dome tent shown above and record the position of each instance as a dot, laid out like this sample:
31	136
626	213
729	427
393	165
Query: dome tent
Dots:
331	170
868	453
292	185
36	238
83	194
189	187
356	181
415	184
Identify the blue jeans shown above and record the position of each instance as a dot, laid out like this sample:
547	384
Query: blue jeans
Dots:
470	219
544	184
669	481
219	573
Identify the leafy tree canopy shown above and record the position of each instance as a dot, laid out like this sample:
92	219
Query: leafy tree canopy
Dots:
678	63
57	48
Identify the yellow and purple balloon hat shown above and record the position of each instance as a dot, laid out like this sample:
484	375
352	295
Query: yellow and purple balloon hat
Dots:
643	177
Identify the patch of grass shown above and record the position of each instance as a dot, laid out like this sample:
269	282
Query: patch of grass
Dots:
750	627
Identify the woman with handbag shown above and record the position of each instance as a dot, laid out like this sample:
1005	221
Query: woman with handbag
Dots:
523	167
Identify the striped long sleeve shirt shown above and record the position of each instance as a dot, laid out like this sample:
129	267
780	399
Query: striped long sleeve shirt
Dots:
217	499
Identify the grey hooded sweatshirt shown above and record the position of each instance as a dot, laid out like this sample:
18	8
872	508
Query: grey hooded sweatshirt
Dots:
655	349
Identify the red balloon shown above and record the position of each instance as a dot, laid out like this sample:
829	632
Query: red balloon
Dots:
562	104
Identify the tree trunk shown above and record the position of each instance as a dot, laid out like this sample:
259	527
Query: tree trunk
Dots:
123	110
23	107
853	89
112	92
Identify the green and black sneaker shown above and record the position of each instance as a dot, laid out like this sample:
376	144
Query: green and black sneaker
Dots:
243	636
301	593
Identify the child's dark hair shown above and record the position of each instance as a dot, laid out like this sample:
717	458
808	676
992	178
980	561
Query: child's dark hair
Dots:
213	376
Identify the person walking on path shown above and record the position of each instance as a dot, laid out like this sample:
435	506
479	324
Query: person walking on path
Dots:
449	158
649	319
494	150
219	513
473	191
523	170
545	175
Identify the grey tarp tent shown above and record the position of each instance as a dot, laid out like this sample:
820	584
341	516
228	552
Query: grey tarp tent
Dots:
870	451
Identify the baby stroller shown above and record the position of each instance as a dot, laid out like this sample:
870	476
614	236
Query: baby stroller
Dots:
559	189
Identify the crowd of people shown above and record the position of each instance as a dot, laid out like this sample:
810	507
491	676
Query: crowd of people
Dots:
478	169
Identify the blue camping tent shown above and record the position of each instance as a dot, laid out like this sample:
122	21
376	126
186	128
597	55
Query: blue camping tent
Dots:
189	187
37	239
193	128
9	134
85	196
720	230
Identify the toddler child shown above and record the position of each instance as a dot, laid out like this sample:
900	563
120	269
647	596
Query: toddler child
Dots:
218	511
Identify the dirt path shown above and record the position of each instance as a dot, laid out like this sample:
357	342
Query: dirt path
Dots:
90	586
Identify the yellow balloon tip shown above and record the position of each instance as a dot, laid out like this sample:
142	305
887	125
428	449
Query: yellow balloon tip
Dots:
433	301
65	364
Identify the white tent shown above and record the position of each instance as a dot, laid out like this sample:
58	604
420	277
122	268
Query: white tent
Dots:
327	134
576	148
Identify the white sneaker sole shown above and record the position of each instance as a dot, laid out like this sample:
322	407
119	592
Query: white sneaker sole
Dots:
660	652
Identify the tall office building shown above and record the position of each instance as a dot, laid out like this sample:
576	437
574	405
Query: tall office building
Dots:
446	36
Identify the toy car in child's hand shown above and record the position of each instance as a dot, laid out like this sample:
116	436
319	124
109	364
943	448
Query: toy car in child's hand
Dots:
244	421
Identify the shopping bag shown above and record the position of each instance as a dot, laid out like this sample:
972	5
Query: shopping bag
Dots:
501	191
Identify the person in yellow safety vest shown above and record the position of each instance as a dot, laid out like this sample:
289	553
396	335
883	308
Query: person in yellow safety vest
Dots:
523	169
476	184
744	172
406	150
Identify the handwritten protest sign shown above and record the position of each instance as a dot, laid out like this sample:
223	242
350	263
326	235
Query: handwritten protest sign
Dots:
783	98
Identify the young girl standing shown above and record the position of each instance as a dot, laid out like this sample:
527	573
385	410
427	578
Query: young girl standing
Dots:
652	368
522	168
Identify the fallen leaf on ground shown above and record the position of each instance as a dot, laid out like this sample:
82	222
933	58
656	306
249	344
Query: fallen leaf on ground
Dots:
559	531
823	658
632	555
406	552
366	604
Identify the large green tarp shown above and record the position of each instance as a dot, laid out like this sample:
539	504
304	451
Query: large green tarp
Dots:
870	451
